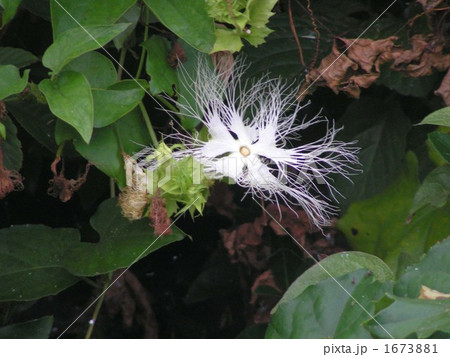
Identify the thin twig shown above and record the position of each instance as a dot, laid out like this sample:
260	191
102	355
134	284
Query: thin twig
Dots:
294	32
317	32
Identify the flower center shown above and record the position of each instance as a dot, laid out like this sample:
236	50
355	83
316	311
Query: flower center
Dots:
244	150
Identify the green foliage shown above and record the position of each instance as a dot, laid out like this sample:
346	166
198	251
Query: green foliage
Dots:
162	76
126	135
408	317
38	261
439	117
11	146
319	305
81	107
77	41
43	121
379	129
38	328
111	105
380	225
187	19
248	19
326	310
69	97
434	190
9	10
337	264
179	182
32	261
98	69
16	57
68	14
121	243
11	82
440	142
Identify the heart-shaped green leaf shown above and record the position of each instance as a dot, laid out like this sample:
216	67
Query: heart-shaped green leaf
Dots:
121	242
337	265
10	81
187	19
326	310
98	69
67	14
111	105
77	41
70	99
380	225
31	261
39	328
16	56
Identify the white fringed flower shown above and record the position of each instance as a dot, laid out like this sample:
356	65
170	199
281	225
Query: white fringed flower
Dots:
251	127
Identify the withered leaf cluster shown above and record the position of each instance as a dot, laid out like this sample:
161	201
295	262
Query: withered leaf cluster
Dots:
63	188
249	245
355	64
10	180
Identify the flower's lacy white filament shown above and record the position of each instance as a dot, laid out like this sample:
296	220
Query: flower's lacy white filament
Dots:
250	126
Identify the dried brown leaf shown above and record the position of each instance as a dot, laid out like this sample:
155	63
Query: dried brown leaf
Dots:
444	89
368	53
429	4
158	215
128	299
62	187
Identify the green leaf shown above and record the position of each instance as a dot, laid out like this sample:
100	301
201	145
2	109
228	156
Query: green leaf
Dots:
37	261
31	261
11	82
39	8
379	225
70	99
77	41
127	38
259	12
38	328
187	19
407	85
67	13
405	317
439	117
432	271
11	147
326	310
9	10
98	69
337	265
441	142
121	242
35	118
111	105
162	76
434	190
16	56
227	40
2	131
128	134
380	129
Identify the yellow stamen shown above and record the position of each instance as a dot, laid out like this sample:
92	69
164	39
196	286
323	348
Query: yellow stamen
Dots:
244	150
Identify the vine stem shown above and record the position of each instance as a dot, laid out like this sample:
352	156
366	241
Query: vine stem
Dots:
144	51
98	306
123	53
149	124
